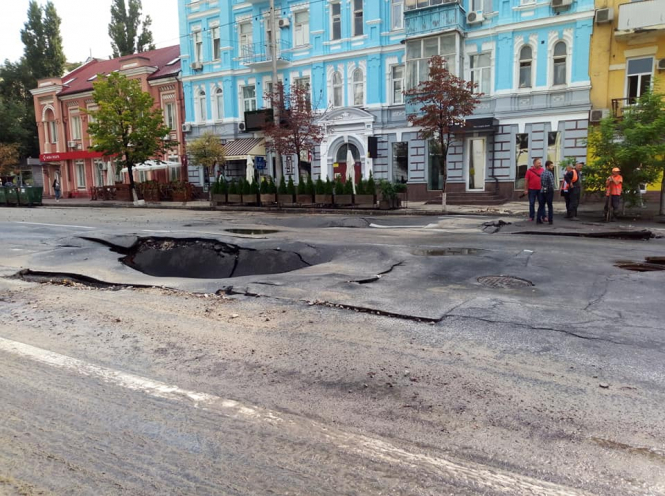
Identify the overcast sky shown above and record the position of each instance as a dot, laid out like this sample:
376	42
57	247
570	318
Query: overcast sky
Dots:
84	26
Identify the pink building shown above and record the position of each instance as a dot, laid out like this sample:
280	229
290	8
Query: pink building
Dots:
63	126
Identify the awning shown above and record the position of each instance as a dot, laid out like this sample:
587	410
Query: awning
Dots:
152	165
240	148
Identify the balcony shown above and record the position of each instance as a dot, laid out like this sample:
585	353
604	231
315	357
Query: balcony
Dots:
619	106
637	18
448	16
259	56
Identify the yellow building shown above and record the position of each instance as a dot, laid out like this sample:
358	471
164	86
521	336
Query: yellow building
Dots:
627	55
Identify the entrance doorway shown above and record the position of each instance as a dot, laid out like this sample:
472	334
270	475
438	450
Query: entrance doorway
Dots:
476	164
342	159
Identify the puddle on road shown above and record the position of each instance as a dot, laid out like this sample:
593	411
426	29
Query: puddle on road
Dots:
251	231
446	252
207	259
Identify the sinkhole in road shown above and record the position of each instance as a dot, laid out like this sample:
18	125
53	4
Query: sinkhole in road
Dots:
207	259
446	252
251	231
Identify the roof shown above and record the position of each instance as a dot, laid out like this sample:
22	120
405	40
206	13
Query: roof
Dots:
166	60
240	148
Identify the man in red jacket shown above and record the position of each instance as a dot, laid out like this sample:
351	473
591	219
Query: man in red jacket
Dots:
532	186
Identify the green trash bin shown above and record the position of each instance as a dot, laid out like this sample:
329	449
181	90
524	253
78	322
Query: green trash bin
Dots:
12	195
30	195
3	196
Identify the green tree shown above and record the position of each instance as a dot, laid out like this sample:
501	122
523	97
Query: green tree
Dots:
124	28
208	151
9	158
126	124
635	144
53	59
34	41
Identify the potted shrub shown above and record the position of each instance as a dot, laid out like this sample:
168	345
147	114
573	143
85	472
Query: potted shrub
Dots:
149	190
253	196
323	192
400	189
234	195
283	195
363	197
219	191
389	198
343	192
267	191
181	191
305	197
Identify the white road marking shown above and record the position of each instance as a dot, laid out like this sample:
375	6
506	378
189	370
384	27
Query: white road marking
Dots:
55	225
464	472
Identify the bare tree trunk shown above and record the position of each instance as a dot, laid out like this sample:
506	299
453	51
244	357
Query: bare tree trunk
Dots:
132	185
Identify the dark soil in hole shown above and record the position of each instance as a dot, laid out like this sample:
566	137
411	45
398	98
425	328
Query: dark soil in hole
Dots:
447	252
636	235
207	259
67	279
251	231
640	266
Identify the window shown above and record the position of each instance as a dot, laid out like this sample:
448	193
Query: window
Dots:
559	63
338	90
219	104
303	82
198	46
358	87
521	159
526	59
476	5
639	74
201	106
419	4
554	152
245	34
169	115
336	21
80	174
357	17
301	28
249	98
397	84
481	72
435	165
527	2
397	14
216	47
53	132
98	166
400	161
76	127
419	52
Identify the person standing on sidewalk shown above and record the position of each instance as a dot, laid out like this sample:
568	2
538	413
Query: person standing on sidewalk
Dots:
56	188
565	188
547	193
575	191
532	186
614	188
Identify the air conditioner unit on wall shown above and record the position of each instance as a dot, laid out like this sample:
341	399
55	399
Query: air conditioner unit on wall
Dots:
598	115
242	127
561	4
661	65
474	17
186	128
603	16
284	22
72	144
196	66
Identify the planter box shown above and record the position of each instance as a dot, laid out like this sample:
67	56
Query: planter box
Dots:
323	199
267	198
218	198
365	200
343	200
285	199
234	198
180	196
250	199
389	204
151	195
304	199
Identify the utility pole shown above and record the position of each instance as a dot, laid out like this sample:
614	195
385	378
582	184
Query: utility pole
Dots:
275	97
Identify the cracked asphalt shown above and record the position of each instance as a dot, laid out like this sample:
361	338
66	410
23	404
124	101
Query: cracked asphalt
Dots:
383	366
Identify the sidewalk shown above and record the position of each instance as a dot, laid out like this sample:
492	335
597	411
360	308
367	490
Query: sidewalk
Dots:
518	209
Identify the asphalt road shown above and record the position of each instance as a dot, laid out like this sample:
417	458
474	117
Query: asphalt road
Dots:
386	366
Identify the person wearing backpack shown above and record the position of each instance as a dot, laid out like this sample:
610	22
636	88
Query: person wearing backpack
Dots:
547	193
532	187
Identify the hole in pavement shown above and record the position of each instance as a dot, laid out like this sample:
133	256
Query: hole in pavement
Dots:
68	279
640	266
655	260
636	235
504	282
447	252
207	259
251	231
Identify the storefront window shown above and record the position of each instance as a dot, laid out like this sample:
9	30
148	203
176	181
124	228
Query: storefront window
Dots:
435	165
401	162
521	159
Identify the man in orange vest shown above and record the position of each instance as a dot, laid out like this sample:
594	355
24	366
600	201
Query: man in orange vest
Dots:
570	178
614	188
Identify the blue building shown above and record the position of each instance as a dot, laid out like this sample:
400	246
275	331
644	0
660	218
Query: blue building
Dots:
529	57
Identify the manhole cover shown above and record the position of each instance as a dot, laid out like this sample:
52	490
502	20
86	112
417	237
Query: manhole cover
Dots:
446	252
504	282
251	231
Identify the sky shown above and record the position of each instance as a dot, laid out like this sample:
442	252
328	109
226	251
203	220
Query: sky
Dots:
84	26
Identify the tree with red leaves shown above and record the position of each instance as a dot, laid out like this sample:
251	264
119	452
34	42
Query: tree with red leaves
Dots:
443	102
297	130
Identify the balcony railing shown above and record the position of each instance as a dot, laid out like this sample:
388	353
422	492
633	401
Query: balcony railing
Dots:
445	17
261	53
619	105
636	16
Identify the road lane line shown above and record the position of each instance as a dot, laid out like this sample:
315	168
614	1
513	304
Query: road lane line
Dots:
465	472
56	225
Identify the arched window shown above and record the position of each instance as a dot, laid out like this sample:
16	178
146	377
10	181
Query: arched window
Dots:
358	87
559	63
201	106
526	61
343	152
51	132
338	92
219	104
